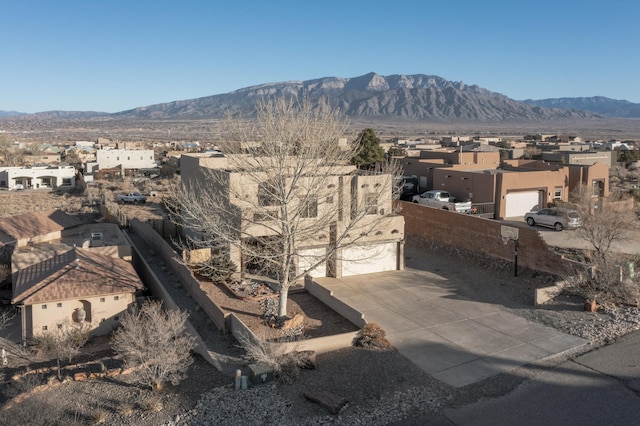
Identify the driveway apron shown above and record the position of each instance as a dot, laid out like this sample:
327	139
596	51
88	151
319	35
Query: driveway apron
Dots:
454	339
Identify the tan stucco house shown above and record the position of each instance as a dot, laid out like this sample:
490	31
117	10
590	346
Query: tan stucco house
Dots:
512	187
76	287
377	251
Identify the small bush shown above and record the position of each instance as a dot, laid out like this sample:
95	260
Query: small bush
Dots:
98	417
372	336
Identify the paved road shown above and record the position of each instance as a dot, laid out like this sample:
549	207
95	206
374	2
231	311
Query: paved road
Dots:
598	388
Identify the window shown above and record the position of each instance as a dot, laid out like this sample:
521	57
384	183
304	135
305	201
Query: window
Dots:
66	181
557	194
58	305
60	326
309	207
102	299
117	158
329	200
44	306
598	188
371	204
116	297
44	328
266	194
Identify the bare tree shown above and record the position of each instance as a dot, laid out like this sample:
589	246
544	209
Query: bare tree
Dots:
11	156
63	343
285	184
155	342
605	222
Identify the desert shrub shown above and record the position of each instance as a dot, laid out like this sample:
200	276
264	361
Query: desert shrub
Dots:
610	282
286	366
372	336
156	343
216	268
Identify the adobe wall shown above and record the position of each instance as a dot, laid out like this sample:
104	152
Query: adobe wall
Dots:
480	235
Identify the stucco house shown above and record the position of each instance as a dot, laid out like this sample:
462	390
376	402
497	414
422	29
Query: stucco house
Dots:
512	187
381	250
54	177
60	262
122	159
75	287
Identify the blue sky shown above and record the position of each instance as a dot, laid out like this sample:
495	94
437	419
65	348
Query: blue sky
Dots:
115	55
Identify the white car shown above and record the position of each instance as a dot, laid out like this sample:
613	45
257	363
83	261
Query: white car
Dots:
554	217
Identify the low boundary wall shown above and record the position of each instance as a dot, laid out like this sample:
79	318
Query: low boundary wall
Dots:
181	272
480	235
230	322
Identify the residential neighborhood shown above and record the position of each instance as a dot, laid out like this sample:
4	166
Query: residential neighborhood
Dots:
362	248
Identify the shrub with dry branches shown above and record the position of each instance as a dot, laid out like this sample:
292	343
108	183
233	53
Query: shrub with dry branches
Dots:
64	343
372	336
156	343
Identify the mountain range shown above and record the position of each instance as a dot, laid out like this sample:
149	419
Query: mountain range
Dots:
411	97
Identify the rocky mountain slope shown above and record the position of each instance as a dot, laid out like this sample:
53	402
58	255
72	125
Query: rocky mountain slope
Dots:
597	104
372	96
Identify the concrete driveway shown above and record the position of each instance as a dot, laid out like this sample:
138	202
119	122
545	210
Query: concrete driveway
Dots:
456	339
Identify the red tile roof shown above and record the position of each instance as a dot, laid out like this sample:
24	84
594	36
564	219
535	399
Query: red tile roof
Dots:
75	274
40	223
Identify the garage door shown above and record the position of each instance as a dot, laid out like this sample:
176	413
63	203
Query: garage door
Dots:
308	257
519	203
369	259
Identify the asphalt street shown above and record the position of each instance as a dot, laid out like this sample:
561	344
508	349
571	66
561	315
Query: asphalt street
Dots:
601	387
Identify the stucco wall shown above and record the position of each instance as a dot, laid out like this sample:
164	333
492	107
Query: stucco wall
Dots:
481	236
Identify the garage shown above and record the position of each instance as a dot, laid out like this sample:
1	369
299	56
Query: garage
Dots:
519	203
369	259
309	257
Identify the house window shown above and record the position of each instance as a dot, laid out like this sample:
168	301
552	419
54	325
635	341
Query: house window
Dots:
309	207
44	306
598	188
117	158
128	158
371	203
60	326
557	194
58	305
102	299
45	328
329	200
66	181
266	194
116	297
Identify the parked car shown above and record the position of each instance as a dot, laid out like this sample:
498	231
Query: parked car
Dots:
554	217
442	200
131	197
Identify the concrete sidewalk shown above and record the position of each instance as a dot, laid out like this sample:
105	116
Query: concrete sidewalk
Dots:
454	339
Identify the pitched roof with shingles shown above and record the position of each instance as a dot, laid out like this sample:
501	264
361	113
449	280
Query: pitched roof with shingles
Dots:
33	224
75	274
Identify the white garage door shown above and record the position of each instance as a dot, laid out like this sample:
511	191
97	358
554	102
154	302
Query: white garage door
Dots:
519	203
308	257
366	260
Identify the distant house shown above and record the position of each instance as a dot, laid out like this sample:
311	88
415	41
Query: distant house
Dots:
78	286
54	177
122	159
512	187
